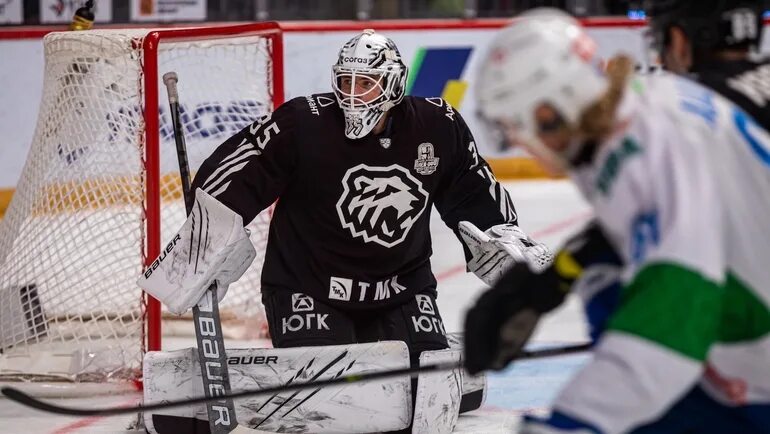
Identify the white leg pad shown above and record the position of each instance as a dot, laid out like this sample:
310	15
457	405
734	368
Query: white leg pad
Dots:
474	387
437	405
370	406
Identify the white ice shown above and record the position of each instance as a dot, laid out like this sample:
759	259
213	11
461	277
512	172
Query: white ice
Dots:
548	210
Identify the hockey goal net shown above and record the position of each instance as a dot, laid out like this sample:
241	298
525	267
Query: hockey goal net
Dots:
100	192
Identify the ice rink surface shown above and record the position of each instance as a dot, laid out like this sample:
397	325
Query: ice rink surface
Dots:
549	211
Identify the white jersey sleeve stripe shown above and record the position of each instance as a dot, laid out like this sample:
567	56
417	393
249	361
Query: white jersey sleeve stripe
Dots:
217	177
224	176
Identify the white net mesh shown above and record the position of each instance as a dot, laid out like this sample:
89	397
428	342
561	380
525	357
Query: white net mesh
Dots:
72	240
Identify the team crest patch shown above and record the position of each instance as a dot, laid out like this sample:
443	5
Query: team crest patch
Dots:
380	204
385	142
426	162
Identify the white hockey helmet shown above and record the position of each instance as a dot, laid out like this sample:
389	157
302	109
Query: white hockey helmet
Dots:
372	57
543	57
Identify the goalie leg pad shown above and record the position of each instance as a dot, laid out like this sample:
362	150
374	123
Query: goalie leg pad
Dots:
437	405
474	387
352	408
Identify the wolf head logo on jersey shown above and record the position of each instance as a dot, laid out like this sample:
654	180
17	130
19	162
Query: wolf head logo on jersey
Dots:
380	204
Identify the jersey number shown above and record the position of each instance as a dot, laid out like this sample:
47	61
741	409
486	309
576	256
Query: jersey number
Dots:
266	135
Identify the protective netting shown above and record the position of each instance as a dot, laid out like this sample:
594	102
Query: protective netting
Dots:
72	242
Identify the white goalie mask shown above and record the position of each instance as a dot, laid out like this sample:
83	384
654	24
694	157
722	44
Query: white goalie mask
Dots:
368	79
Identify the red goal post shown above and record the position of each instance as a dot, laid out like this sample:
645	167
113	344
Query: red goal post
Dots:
151	43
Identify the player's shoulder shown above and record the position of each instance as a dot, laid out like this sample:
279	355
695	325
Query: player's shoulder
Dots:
431	110
683	100
669	99
652	104
661	89
679	93
669	119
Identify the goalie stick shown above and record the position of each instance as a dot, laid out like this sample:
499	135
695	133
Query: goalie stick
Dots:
208	328
29	401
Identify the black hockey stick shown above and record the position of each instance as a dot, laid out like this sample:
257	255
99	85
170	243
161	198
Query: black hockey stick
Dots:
208	328
29	401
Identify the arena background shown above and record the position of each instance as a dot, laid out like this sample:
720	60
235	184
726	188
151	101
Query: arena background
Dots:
442	55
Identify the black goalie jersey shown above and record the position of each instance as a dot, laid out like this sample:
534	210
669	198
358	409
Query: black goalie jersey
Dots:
351	223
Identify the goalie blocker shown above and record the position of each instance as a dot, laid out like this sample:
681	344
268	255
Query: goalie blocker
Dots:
211	246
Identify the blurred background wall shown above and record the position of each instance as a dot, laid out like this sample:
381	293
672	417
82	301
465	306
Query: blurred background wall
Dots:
441	53
34	12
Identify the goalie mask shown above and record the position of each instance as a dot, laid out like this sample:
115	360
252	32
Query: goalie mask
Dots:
368	79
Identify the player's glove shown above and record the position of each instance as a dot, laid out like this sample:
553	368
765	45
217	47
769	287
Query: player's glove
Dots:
503	318
496	250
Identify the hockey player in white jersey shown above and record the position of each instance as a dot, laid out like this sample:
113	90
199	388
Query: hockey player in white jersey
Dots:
679	179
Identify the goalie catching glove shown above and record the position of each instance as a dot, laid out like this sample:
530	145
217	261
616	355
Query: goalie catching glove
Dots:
499	248
212	246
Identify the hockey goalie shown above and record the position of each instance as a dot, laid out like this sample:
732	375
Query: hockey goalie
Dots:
212	246
346	283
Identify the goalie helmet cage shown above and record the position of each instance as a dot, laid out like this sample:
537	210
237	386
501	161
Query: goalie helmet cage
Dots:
100	192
